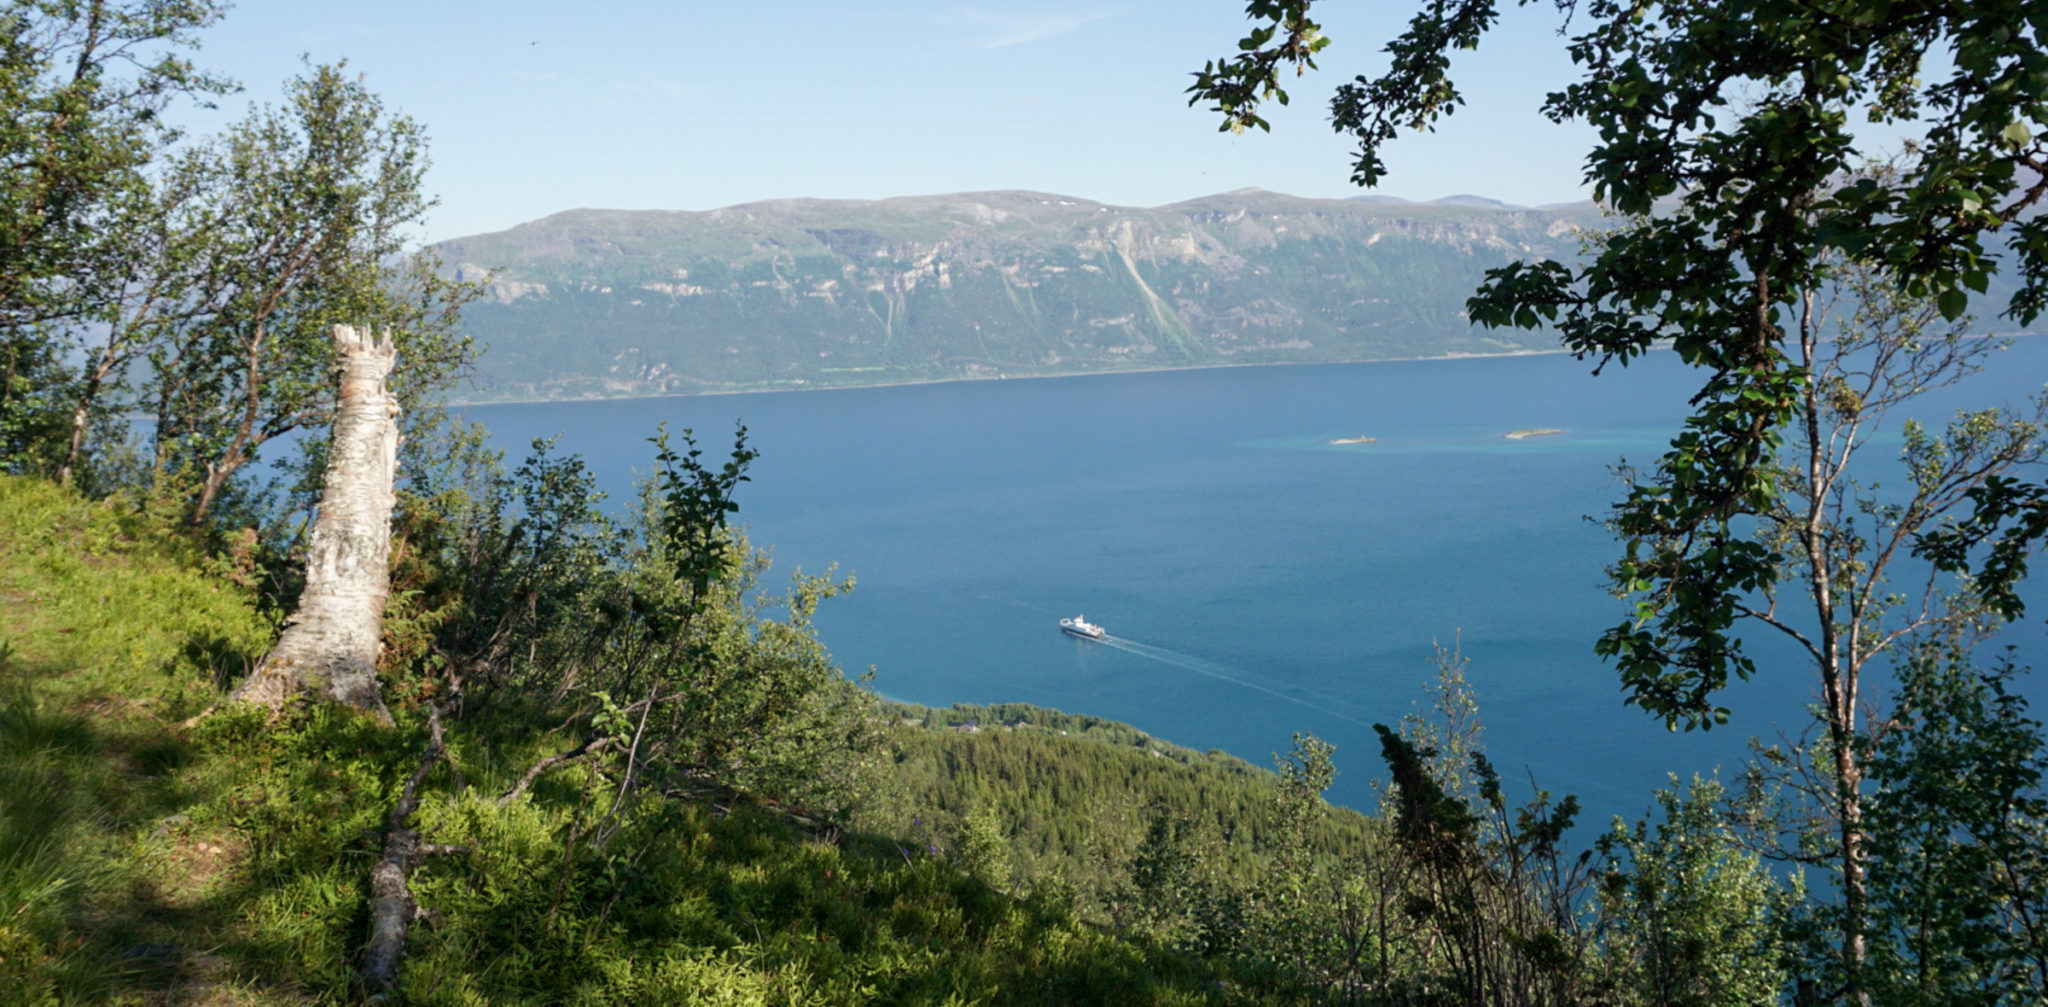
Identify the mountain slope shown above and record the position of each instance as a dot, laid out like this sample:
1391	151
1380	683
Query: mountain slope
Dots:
819	293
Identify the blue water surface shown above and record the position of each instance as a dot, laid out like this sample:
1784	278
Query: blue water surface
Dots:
1258	580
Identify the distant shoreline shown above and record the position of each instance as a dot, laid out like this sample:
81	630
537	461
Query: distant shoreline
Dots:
1078	374
1020	377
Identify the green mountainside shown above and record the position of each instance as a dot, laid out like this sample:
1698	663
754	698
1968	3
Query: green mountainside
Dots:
825	293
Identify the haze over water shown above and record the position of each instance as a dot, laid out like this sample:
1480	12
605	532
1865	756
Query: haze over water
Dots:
1257	579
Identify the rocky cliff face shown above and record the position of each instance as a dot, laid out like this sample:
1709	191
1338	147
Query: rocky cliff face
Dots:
813	293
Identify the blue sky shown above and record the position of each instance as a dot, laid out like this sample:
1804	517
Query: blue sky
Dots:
536	107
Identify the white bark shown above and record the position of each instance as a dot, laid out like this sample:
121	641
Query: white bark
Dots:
330	646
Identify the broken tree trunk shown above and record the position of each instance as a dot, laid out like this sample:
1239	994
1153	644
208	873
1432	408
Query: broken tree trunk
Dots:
330	645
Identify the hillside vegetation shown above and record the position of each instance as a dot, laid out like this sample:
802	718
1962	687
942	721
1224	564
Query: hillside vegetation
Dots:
1074	796
142	861
821	293
1041	858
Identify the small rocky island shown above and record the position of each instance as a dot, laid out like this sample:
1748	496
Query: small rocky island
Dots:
1356	440
1523	435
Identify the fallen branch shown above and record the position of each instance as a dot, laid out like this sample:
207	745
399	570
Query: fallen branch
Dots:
392	907
587	748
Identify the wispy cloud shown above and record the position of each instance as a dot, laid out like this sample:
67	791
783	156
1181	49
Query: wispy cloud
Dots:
1008	28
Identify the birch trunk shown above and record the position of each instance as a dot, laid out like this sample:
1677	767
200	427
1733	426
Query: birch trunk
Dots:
330	646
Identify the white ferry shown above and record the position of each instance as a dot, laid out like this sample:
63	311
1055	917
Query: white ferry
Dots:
1081	627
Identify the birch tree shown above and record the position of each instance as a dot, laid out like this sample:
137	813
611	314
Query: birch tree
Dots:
84	85
1727	141
298	222
1842	548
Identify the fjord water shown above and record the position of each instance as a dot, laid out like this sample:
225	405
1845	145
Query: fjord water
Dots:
1256	579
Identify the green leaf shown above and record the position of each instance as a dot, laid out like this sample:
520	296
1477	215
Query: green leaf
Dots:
1953	302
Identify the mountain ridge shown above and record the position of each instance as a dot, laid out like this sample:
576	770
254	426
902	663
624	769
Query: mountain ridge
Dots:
805	292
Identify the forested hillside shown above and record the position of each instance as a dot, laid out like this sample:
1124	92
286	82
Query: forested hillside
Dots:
1074	795
820	293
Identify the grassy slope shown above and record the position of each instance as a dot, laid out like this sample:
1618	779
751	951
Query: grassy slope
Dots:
141	862
110	633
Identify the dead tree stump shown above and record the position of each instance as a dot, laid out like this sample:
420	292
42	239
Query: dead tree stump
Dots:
331	643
